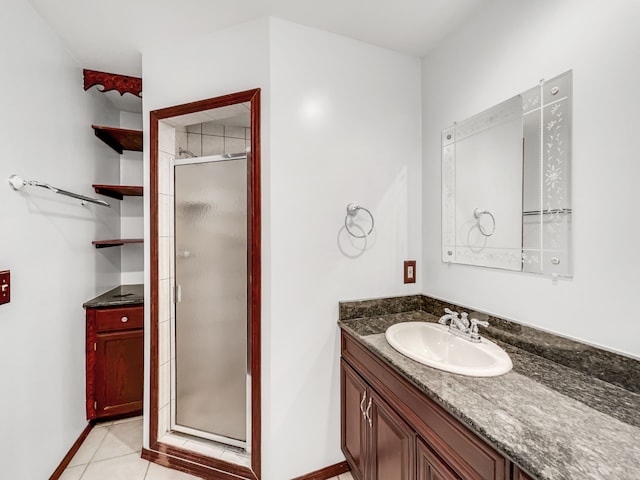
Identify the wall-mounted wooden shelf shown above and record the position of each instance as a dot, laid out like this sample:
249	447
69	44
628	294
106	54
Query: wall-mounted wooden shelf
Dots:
119	139
118	191
115	242
112	81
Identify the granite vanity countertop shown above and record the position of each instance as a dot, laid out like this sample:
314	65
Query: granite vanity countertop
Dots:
122	296
555	422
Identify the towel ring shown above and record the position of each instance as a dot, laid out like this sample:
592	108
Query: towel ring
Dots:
352	211
477	213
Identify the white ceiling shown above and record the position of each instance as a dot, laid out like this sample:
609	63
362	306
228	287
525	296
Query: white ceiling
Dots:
110	35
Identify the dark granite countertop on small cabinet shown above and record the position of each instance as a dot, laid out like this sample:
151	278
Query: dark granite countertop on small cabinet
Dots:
122	296
556	422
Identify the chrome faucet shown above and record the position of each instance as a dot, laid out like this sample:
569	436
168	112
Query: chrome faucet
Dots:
450	316
463	327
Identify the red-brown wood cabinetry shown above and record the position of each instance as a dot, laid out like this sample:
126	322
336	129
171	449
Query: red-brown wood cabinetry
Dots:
114	361
430	467
378	444
392	431
392	444
353	423
520	475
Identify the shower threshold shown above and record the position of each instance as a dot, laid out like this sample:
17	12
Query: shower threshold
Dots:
242	445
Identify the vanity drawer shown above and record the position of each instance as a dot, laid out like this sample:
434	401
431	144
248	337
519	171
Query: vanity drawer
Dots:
119	318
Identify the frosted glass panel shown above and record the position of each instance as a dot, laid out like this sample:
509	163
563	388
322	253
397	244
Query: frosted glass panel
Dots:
211	315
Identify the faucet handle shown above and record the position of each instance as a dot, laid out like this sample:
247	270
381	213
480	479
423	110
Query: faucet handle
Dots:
448	316
474	325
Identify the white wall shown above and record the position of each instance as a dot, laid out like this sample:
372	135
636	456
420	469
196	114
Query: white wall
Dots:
45	131
131	208
345	127
341	123
232	60
504	50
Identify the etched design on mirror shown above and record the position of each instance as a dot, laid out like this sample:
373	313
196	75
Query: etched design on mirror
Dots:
547	218
531	99
556	96
502	113
527	163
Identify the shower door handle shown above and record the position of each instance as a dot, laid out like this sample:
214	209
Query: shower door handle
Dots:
178	293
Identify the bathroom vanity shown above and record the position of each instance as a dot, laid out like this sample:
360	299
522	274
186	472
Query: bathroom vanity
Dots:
404	420
115	353
391	430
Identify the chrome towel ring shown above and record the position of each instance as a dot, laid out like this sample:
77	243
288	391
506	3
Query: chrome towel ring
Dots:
352	211
477	213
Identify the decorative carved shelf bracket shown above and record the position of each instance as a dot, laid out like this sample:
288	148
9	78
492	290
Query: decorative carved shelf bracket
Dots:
111	81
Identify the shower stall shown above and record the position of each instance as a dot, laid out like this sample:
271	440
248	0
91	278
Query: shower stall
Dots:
209	369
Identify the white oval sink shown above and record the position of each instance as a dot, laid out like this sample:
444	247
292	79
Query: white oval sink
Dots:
433	345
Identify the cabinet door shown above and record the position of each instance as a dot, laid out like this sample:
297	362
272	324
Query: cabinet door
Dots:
520	475
353	396
430	467
119	372
392	454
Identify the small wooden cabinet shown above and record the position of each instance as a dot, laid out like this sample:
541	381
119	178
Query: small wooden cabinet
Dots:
392	431
519	474
430	467
114	361
377	442
354	429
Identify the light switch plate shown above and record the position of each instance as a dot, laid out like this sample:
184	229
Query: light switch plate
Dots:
5	286
410	271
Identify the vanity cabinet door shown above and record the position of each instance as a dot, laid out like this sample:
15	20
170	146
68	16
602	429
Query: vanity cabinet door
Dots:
114	362
392	443
520	475
119	372
430	467
353	424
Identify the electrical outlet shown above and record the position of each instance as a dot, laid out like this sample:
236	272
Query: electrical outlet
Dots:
410	271
5	286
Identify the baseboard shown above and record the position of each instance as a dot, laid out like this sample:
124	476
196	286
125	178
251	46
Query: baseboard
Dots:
326	472
72	451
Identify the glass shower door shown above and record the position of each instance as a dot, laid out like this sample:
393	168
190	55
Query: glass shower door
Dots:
211	304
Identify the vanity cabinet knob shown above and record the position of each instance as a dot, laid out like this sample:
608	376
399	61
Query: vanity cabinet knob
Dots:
124	319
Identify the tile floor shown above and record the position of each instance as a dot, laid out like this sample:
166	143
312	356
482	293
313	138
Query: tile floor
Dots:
111	451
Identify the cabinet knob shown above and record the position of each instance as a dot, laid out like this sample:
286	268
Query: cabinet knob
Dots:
124	319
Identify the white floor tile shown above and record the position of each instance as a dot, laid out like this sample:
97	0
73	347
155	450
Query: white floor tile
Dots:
127	420
128	467
89	446
72	473
103	423
157	472
121	439
345	476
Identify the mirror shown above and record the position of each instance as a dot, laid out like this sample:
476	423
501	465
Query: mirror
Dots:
506	183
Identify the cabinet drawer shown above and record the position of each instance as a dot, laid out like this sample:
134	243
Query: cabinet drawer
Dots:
119	318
